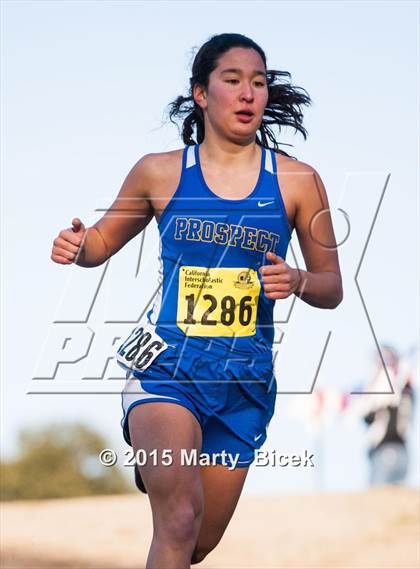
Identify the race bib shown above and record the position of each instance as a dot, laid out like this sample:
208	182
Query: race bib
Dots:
141	348
217	301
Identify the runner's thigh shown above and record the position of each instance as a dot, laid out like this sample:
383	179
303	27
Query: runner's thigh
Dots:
155	426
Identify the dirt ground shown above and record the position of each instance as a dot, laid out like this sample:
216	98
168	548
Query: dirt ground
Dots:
377	529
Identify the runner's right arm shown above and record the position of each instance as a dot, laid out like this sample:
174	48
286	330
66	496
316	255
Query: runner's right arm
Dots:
127	216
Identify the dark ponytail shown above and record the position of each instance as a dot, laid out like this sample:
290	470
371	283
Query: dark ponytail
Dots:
284	99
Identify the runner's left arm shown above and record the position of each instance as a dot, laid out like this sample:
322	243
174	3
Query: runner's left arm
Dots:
320	285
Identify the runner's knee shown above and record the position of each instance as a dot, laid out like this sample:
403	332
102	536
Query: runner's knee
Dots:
179	523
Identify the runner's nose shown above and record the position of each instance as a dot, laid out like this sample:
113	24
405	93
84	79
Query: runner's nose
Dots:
247	93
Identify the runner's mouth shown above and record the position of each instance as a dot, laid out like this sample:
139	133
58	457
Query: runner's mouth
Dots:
245	116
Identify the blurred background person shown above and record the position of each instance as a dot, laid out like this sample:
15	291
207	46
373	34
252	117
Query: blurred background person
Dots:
387	417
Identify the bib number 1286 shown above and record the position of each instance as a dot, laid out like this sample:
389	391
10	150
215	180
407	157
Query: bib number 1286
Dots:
227	310
141	348
219	301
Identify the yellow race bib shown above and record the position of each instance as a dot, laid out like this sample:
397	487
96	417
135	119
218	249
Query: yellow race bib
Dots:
217	301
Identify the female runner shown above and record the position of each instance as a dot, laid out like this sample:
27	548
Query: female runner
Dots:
199	369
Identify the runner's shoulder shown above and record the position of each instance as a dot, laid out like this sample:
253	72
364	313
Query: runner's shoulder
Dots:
298	175
155	173
289	164
300	182
159	167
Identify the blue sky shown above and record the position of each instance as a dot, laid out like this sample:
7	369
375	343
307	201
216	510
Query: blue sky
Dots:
84	90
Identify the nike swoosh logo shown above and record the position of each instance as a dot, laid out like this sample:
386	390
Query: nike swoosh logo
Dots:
258	437
263	204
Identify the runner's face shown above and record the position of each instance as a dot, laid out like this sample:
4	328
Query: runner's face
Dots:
237	84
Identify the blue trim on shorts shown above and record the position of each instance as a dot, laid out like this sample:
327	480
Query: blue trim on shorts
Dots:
124	421
239	465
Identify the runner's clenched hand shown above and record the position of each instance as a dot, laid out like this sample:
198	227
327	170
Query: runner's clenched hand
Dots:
67	244
279	280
